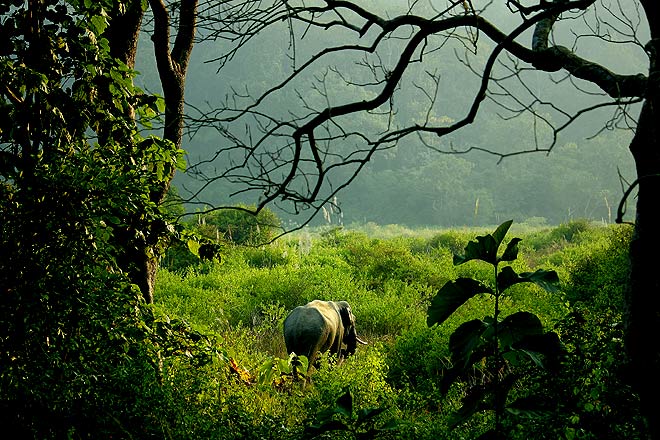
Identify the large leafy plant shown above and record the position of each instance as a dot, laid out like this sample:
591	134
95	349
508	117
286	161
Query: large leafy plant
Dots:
495	345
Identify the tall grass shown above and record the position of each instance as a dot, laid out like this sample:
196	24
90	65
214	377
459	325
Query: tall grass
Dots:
388	275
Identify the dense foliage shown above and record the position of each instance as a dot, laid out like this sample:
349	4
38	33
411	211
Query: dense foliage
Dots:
389	279
489	352
80	353
83	356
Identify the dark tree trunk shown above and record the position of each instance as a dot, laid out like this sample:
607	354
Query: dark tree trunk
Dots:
123	35
642	317
140	260
124	31
172	69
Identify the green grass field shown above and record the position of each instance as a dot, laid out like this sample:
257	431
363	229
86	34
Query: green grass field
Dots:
245	387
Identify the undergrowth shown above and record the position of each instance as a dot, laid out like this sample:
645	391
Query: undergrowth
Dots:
242	300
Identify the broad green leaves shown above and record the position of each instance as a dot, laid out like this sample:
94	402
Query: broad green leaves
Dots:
546	279
485	247
451	296
491	343
363	423
455	293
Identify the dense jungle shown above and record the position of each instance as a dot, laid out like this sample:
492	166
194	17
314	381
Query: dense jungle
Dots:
393	387
470	185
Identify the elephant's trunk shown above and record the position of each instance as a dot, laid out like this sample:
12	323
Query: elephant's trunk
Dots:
352	341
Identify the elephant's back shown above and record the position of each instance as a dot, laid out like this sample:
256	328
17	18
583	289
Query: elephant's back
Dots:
303	319
303	328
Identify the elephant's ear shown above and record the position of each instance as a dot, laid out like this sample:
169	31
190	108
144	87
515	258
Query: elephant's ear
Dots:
345	314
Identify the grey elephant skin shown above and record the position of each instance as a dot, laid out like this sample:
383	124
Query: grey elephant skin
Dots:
321	326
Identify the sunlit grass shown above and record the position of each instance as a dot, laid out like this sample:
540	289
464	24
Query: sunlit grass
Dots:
388	274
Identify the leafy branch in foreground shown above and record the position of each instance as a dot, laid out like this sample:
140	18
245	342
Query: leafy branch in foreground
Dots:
363	424
494	346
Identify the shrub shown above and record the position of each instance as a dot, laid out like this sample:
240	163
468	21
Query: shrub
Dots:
275	254
231	294
417	358
599	270
552	237
79	353
365	373
390	310
240	226
375	261
485	353
453	241
592	398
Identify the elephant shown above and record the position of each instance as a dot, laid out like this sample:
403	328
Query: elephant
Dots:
321	326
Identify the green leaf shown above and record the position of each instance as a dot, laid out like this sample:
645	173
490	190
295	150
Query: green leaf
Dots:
485	247
511	252
517	326
345	404
471	404
507	277
547	279
501	231
452	295
547	344
98	24
534	357
465	340
181	160
366	414
266	373
160	103
299	363
193	246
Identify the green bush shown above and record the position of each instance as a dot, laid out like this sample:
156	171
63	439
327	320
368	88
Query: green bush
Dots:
591	398
365	374
551	237
268	256
453	241
239	226
376	261
79	353
417	358
599	270
231	294
393	308
486	355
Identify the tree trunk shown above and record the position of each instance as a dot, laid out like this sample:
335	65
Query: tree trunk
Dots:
124	31
123	35
642	317
172	69
140	259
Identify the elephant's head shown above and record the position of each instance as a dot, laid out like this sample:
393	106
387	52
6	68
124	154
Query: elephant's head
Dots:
351	338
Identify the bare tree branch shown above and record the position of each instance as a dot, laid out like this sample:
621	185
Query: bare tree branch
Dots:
298	169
